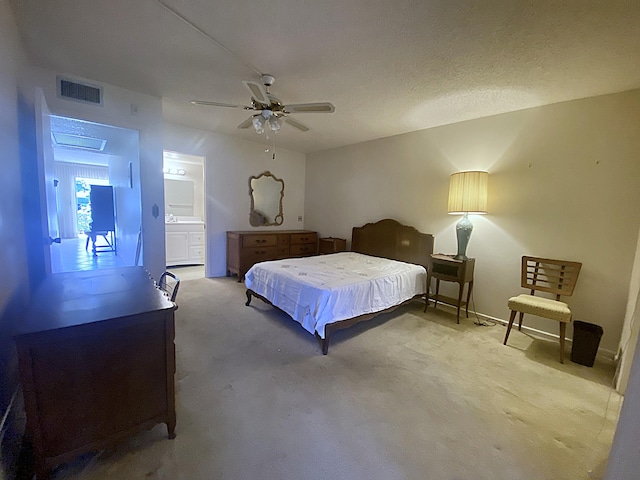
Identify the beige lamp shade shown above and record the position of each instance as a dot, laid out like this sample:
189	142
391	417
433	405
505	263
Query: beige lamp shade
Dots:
468	192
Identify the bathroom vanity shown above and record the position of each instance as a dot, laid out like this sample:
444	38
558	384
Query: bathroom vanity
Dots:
184	239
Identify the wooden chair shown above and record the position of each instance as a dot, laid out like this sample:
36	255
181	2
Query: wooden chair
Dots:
557	277
170	287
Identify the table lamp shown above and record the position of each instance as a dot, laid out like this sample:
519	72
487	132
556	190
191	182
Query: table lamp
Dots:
467	194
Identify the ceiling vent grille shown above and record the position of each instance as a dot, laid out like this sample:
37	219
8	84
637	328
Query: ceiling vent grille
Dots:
80	92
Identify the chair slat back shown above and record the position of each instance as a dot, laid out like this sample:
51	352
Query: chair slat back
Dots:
169	287
558	277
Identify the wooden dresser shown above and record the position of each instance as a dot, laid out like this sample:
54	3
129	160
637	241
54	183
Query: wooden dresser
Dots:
246	248
97	362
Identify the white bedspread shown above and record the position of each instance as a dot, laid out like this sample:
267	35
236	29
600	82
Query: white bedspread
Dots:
319	290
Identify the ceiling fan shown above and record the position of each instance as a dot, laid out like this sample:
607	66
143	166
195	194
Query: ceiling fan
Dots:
269	111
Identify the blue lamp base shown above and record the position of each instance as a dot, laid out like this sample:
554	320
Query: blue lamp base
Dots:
463	233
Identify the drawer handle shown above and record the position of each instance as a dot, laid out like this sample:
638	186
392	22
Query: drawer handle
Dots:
261	240
260	252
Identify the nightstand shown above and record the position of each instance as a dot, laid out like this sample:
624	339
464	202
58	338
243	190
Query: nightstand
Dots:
332	245
448	269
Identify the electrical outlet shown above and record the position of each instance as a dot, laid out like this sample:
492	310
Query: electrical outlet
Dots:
299	218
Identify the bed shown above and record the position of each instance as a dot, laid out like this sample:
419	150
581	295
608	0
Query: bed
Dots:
387	267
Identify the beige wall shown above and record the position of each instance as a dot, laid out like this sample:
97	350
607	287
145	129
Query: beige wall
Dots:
229	162
563	184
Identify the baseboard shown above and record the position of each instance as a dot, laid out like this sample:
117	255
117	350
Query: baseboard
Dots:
604	354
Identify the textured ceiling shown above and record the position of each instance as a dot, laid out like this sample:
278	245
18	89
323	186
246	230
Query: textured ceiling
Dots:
389	67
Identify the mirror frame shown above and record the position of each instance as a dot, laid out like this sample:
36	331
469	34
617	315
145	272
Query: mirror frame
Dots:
279	218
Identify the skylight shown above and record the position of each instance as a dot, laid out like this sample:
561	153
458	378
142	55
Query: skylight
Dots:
78	141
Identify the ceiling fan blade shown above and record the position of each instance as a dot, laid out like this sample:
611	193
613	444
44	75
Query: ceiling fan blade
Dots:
296	124
247	123
215	104
321	107
257	92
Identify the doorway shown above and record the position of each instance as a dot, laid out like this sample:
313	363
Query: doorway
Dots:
85	154
185	215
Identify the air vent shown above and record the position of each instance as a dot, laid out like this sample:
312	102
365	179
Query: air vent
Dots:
80	92
78	141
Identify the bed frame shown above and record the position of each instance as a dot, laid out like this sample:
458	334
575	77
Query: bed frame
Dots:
387	239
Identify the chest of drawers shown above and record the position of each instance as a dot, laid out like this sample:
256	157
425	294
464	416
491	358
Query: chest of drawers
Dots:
96	357
246	248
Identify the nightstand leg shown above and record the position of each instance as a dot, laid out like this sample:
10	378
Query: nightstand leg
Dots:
460	289
426	296
435	299
469	296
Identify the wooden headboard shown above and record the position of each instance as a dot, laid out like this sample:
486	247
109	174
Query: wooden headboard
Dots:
390	239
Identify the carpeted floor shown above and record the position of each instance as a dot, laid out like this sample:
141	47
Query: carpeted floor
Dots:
409	395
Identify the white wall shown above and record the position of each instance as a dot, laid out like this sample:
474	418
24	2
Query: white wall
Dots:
229	162
624	461
117	111
12	253
14	278
194	172
563	184
631	327
127	202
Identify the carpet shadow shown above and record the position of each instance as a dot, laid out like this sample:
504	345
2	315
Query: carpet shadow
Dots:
547	353
283	320
448	319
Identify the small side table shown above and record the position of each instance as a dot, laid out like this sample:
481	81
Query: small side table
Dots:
332	245
448	269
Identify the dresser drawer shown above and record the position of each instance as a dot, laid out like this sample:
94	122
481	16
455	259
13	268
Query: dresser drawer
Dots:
302	238
306	249
283	252
260	241
283	240
447	270
258	254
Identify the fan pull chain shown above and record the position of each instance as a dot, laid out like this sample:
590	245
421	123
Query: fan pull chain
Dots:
274	148
266	138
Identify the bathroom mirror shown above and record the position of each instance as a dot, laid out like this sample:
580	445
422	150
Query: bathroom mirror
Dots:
266	193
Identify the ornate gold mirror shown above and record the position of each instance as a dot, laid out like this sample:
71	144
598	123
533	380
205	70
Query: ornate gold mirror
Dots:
266	193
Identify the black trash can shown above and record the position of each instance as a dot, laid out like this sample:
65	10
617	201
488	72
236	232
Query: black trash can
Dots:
586	338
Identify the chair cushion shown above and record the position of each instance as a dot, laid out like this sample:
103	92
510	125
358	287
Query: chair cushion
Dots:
541	307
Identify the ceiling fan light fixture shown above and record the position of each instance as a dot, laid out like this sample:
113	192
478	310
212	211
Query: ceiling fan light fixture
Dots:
258	124
274	123
266	120
268	112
